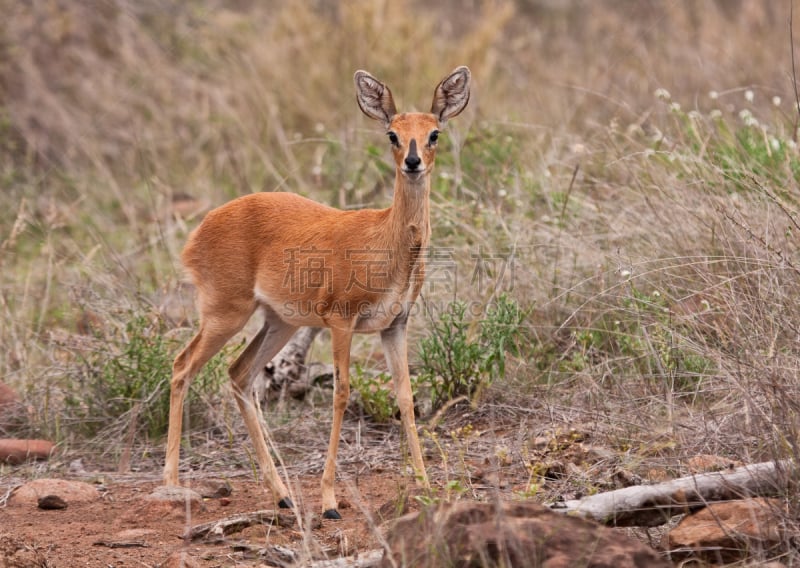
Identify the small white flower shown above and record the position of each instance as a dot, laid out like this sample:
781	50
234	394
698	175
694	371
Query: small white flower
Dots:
624	273
714	95
776	100
694	115
662	94
749	96
774	143
674	107
656	294
502	193
319	128
748	118
715	113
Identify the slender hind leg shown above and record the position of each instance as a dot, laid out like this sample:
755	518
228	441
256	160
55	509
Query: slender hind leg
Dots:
213	334
265	345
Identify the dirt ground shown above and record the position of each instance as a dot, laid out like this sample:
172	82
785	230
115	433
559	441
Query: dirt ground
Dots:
121	528
507	453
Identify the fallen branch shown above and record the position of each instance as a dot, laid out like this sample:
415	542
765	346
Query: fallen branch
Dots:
121	544
221	528
287	372
653	505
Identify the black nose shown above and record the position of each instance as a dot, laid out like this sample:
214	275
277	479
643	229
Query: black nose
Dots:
413	162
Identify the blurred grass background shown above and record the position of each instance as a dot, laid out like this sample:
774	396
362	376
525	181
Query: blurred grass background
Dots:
639	158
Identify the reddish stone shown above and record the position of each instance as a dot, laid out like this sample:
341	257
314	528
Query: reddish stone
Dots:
727	532
69	491
17	451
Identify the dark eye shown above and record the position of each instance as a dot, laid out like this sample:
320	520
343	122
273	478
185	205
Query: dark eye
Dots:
393	139
433	137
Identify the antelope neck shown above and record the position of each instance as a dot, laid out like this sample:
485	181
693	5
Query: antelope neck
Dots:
410	211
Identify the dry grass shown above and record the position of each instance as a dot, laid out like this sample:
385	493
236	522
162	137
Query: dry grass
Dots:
655	234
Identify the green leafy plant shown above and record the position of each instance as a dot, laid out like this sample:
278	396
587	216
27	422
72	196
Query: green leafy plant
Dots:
460	356
130	380
375	394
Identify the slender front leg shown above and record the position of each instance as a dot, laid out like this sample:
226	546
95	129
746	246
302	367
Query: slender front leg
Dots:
341	338
396	350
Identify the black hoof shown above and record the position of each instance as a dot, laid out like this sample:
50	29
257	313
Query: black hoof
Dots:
332	514
286	503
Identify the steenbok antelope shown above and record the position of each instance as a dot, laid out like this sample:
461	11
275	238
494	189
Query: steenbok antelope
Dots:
306	264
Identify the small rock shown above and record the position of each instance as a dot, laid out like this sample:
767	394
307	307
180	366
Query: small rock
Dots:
173	493
70	491
727	532
168	501
51	502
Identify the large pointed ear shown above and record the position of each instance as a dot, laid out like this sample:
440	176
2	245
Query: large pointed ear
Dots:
374	98
451	95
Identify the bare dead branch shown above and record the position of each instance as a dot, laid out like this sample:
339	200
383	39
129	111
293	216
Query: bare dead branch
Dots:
653	505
